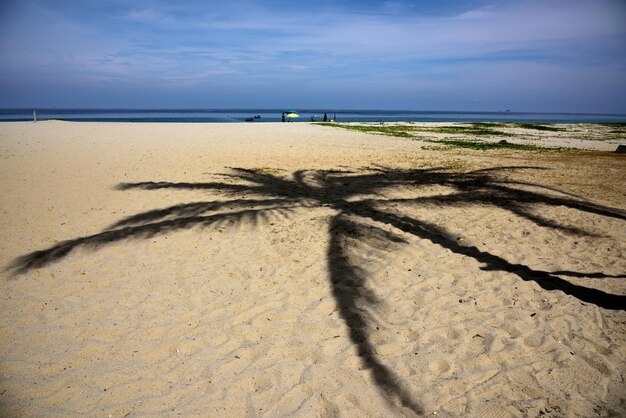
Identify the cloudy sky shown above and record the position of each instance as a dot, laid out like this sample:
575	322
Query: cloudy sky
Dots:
524	55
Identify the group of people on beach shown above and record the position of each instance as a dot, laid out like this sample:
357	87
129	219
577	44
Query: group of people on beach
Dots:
329	119
314	118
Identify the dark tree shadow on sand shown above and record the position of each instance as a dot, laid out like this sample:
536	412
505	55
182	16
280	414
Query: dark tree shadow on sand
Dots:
357	213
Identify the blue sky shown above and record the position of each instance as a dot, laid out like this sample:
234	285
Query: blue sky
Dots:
525	55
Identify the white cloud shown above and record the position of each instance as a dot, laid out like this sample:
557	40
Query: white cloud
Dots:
170	44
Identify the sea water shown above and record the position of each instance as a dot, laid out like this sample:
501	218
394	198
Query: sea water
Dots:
305	115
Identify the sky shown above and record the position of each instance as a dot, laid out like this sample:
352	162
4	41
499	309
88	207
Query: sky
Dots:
524	55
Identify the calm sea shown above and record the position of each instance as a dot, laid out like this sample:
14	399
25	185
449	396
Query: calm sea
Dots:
306	115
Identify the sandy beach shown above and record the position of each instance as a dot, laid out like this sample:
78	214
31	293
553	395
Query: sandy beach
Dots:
242	270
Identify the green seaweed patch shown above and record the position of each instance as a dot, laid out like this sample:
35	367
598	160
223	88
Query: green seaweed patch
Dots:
490	124
601	131
407	131
399	131
464	130
614	124
539	126
484	145
616	128
436	148
524	125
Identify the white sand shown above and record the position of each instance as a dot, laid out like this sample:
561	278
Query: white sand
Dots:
417	288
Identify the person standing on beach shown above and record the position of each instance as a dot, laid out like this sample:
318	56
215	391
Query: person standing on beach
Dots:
325	118
283	116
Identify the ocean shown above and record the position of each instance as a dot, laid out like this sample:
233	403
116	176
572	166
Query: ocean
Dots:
305	115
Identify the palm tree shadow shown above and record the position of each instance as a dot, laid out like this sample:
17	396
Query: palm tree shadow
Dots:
358	199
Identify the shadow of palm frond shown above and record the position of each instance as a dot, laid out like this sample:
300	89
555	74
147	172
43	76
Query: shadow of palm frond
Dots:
48	256
191	210
353	299
359	198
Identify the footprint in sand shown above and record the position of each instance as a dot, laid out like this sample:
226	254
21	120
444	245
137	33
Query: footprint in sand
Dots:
439	366
453	334
534	340
597	363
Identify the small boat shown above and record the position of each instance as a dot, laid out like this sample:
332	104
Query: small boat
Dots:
249	119
257	117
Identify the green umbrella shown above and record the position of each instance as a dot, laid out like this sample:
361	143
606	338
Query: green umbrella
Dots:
291	111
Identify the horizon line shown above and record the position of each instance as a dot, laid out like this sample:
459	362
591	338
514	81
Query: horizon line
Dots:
181	109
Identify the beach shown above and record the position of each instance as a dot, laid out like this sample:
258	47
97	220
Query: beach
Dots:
213	269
